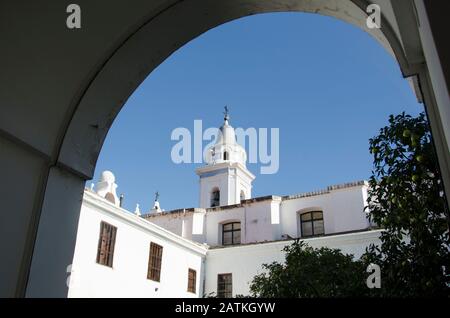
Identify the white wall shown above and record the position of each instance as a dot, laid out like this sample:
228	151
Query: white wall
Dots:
244	262
256	222
172	222
128	276
343	210
261	221
269	219
229	178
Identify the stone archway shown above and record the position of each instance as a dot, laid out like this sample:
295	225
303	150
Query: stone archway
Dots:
38	265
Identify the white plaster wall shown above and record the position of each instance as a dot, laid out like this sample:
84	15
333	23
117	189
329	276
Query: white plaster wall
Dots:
182	225
348	209
244	262
22	174
259	227
214	219
260	221
172	222
256	223
268	220
255	218
343	210
128	276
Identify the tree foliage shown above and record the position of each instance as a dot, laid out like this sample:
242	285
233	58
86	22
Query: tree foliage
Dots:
309	272
406	199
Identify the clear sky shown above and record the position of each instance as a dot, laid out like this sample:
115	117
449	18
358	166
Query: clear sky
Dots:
327	85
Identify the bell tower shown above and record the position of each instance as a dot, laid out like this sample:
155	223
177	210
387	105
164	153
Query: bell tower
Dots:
225	179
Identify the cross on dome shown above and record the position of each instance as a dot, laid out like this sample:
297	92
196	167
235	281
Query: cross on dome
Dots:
226	114
226	148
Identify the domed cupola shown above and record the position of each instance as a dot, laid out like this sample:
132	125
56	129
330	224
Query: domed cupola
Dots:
226	148
107	186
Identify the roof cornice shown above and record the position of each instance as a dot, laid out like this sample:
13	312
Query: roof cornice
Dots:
107	207
224	165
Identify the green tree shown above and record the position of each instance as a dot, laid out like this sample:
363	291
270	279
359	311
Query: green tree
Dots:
309	272
406	199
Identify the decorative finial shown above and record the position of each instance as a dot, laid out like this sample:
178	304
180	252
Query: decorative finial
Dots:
213	154
226	114
137	211
156	207
121	199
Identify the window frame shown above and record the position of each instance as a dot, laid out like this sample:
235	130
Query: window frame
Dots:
232	231
155	262
106	244
227	290
312	220
192	281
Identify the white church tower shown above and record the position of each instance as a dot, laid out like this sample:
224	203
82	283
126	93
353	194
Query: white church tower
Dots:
225	179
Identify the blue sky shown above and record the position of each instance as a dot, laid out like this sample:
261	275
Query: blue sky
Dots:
327	85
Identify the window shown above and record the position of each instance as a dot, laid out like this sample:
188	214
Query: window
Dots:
225	155
231	233
311	223
224	286
154	262
106	242
215	197
192	280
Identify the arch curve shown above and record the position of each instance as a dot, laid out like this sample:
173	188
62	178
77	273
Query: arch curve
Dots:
151	43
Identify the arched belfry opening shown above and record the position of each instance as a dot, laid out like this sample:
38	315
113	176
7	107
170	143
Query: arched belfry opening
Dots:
242	195
215	197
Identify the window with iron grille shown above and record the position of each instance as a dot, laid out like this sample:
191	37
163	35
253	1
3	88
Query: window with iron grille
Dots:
154	262
106	242
311	223
231	233
224	286
192	280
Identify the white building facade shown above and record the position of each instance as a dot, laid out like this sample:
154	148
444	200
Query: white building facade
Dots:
215	249
126	270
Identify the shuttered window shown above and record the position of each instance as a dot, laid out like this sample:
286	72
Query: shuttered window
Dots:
154	262
192	280
106	242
